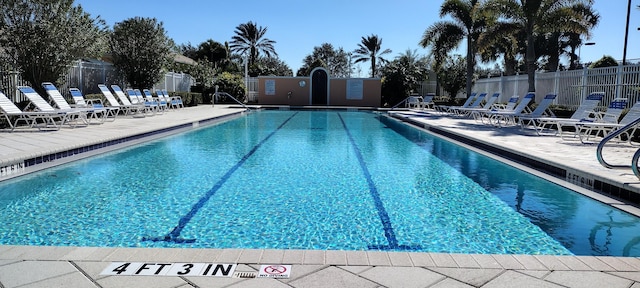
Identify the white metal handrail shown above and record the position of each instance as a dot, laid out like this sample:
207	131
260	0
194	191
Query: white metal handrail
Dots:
229	95
634	164
611	136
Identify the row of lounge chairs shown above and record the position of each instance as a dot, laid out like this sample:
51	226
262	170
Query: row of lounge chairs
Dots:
42	115
585	123
137	105
420	102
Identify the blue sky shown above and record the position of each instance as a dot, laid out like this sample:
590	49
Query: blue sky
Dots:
299	26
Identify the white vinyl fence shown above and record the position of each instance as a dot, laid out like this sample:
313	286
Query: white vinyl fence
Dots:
571	86
252	89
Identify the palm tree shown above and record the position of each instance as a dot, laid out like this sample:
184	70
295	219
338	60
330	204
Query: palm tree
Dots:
411	57
574	40
249	38
537	17
469	21
211	50
370	49
415	67
585	18
502	39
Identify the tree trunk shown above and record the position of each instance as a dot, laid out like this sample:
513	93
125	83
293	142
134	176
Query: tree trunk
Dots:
510	65
531	58
470	64
554	52
572	58
373	67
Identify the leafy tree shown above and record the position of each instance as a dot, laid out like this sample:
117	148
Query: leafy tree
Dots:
574	40
140	49
605	61
469	21
452	76
370	49
42	38
211	53
402	76
204	73
211	50
503	39
188	50
336	61
249	39
556	43
307	68
232	84
395	85
537	17
230	61
273	66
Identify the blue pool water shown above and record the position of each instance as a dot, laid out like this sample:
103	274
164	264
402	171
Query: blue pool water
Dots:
308	180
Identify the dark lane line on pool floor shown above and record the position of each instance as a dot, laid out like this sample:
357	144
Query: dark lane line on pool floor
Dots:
174	235
382	212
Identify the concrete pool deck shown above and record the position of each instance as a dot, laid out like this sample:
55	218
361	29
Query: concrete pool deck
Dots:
37	266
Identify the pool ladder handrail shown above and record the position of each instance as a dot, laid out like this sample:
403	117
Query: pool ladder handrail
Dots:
215	95
634	163
636	156
401	102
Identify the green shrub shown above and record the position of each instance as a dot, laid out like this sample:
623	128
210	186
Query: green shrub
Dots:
605	61
561	111
232	84
190	98
97	96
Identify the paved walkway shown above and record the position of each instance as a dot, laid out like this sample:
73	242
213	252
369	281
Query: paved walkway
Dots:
34	266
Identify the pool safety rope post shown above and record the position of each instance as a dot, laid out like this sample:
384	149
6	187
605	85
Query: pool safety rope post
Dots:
174	235
382	212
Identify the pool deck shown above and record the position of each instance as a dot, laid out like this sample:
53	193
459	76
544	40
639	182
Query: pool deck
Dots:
37	266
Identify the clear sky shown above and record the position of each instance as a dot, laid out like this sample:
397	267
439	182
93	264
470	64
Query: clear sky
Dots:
299	26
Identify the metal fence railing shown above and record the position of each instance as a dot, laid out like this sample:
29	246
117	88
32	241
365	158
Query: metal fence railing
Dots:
9	81
87	75
571	86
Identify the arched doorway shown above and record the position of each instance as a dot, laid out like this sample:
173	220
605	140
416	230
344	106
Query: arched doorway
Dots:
319	86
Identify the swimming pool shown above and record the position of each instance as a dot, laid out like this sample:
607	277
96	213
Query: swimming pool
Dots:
308	180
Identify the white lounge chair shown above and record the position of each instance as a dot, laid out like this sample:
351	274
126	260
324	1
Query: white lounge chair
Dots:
413	102
475	104
611	115
71	117
110	113
37	119
486	107
509	106
135	111
585	111
427	101
137	99
445	108
508	116
541	112
139	107
162	104
90	114
176	101
163	99
586	130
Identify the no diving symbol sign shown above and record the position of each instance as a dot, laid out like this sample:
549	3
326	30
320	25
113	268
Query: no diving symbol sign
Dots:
275	271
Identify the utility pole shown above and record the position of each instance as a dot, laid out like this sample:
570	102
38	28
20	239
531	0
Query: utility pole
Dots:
626	35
